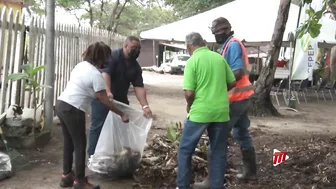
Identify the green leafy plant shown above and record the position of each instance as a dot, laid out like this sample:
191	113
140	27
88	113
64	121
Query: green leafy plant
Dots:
174	132
31	84
312	25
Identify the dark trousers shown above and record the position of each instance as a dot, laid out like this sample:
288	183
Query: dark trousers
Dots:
73	128
240	123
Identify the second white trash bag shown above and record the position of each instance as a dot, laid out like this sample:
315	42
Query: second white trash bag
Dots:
120	145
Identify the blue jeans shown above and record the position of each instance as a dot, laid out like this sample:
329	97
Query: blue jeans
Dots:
218	136
99	113
240	123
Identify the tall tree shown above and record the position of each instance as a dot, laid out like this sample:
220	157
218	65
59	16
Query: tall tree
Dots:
262	103
129	17
72	6
332	9
186	8
115	14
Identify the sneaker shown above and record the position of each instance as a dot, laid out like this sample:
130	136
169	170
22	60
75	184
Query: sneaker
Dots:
84	185
67	180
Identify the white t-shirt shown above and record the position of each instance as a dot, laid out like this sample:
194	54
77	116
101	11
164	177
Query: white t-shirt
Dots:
85	81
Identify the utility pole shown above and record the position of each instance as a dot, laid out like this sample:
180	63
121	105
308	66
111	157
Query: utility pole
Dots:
50	65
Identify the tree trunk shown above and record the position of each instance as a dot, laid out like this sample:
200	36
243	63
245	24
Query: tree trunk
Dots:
90	11
110	23
261	102
116	22
332	9
102	4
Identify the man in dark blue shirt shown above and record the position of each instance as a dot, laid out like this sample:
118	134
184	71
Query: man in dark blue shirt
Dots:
122	71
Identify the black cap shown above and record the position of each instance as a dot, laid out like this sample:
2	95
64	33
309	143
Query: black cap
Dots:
219	24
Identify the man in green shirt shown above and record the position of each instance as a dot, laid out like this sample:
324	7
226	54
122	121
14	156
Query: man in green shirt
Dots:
207	80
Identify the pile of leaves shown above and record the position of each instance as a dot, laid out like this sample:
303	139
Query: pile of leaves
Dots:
159	164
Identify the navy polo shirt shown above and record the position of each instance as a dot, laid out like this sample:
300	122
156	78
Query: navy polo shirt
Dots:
123	75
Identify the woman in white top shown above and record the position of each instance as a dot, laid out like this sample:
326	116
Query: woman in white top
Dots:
86	83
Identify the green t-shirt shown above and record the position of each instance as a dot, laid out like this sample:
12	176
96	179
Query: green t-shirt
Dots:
207	73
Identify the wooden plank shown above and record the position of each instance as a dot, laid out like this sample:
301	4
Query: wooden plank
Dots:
41	62
73	51
22	83
11	95
31	55
59	63
7	56
76	47
38	53
57	48
63	59
69	51
19	61
3	17
36	50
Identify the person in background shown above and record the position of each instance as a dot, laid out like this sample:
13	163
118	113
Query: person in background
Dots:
122	70
326	73
86	83
207	79
236	55
332	62
282	63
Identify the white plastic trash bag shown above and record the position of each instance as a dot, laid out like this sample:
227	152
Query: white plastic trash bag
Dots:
120	145
5	166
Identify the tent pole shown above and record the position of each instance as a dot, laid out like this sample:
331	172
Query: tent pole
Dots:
295	37
258	60
291	60
154	62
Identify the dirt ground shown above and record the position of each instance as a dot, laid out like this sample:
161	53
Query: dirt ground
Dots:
308	137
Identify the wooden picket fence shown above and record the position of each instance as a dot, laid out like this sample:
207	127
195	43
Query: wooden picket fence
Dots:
22	41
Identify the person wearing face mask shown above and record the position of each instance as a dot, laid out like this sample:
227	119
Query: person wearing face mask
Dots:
86	83
236	55
123	70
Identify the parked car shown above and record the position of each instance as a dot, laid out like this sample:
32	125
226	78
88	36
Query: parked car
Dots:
178	63
166	67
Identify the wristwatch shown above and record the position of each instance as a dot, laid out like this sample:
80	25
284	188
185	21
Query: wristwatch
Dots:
145	106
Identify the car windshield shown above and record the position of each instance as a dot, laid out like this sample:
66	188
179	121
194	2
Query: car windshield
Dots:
183	58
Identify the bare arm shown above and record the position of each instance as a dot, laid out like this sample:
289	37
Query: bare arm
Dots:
140	93
107	79
235	60
238	74
231	85
102	96
189	96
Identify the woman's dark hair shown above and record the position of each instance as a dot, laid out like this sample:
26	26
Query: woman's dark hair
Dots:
97	54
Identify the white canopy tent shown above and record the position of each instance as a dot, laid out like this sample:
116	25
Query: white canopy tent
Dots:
328	31
251	20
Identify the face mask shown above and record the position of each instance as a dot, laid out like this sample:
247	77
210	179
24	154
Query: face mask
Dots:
221	38
133	54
